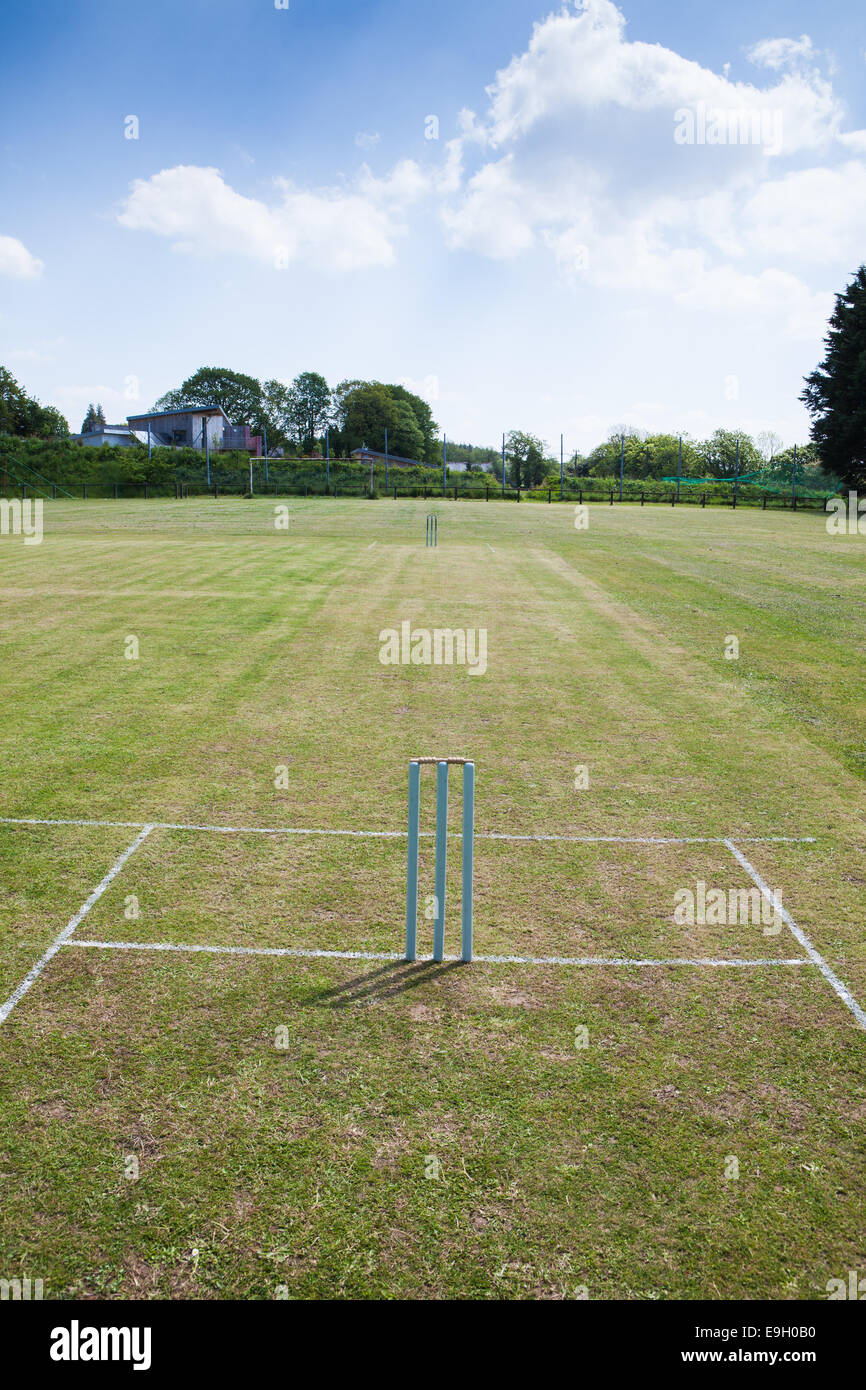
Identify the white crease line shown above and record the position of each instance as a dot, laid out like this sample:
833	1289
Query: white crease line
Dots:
401	834
64	936
817	959
370	547
489	546
239	950
394	955
113	824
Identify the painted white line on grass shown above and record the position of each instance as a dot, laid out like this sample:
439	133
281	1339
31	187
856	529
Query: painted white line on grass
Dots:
310	954
489	546
111	824
237	950
401	834
63	937
370	546
816	958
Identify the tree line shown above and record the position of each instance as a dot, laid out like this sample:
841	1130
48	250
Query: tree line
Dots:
300	416
303	417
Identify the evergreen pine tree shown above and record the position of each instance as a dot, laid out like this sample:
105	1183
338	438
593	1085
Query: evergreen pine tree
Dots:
835	393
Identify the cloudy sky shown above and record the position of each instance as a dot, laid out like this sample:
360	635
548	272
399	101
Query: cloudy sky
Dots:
550	218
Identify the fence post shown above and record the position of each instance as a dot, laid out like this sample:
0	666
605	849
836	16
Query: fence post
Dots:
580	495
674	500
794	502
548	494
642	499
54	493
115	492
764	502
518	494
611	497
84	491
487	490
145	492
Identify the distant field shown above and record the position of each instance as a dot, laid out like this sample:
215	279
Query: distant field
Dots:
203	1123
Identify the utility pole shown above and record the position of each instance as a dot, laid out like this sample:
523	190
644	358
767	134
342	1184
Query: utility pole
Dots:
327	459
794	478
503	465
444	465
679	467
386	463
265	432
561	467
621	463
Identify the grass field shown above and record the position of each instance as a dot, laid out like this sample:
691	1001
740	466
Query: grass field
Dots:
198	1123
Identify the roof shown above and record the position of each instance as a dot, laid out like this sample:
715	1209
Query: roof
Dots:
103	429
181	410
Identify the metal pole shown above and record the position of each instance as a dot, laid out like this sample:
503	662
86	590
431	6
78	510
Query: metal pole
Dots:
327	458
251	475
386	461
444	465
679	467
561	467
737	472
412	861
794	477
621	463
468	856
149	443
503	465
441	859
207	454
265	429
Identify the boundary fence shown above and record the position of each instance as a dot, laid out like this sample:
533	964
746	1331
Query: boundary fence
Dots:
720	495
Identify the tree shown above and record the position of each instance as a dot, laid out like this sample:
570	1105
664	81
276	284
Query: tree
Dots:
718	454
93	420
366	411
276	413
429	450
240	396
363	410
835	393
309	408
769	443
526	453
22	415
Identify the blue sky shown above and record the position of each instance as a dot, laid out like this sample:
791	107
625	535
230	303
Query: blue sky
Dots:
559	260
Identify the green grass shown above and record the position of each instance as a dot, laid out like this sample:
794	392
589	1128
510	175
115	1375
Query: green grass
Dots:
301	1168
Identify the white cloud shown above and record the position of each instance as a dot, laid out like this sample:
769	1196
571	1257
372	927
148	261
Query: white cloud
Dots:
367	139
854	140
428	389
576	154
781	53
586	165
581	62
334	229
493	217
16	261
810	215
